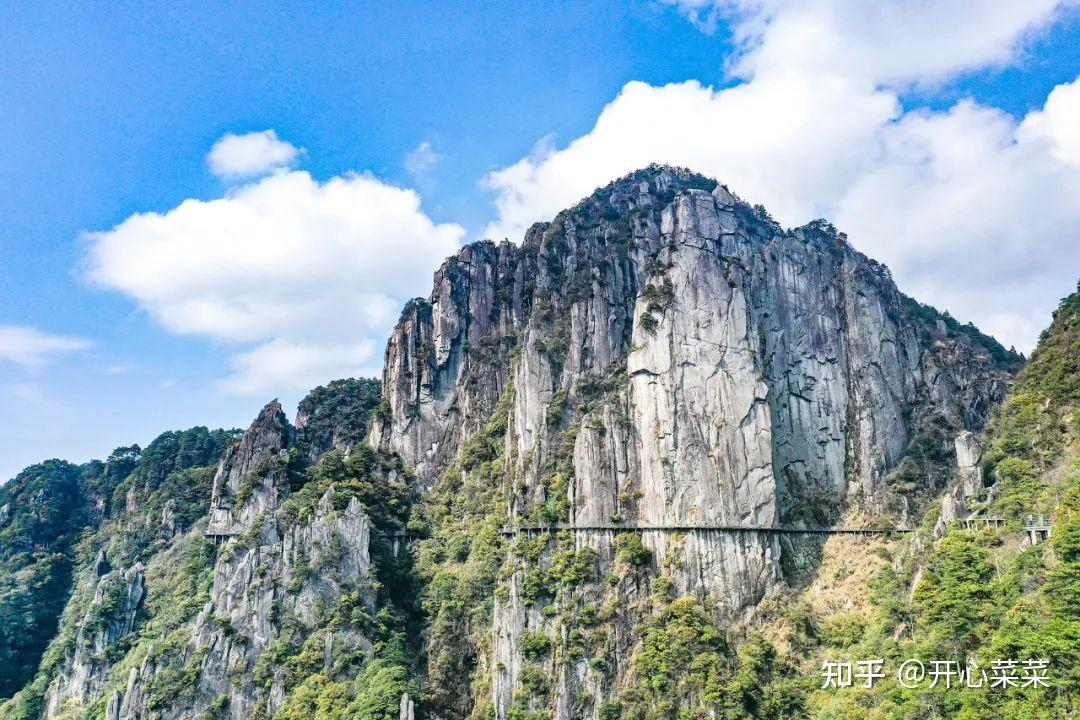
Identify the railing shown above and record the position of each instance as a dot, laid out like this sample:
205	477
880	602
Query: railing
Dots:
508	530
973	523
1038	522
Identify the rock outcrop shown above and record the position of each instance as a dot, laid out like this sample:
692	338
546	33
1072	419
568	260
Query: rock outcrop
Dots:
285	575
956	503
662	374
117	598
334	416
675	358
249	478
264	576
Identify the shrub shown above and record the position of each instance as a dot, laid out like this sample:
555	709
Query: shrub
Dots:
534	645
630	550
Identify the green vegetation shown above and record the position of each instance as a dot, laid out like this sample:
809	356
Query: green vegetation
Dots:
688	669
630	550
657	298
143	505
458	563
928	318
980	598
43	518
593	616
335	415
56	519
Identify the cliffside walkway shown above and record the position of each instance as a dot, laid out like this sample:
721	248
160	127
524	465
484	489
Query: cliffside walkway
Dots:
509	530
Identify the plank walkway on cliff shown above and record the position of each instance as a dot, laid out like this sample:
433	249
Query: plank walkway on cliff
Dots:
623	527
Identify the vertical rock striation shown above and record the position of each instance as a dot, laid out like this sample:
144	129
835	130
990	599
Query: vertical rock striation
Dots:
265	576
677	358
661	356
251	474
117	597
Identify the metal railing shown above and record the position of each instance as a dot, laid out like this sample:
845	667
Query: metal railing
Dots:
1038	522
508	530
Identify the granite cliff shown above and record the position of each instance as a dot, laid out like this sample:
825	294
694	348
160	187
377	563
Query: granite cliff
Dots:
658	361
666	355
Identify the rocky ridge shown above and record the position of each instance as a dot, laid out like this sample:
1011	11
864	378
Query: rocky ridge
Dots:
662	354
674	357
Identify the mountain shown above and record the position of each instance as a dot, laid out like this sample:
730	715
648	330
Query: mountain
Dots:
662	354
661	366
46	510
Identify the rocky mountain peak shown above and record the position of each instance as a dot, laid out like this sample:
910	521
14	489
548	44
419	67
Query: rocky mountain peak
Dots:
252	473
661	372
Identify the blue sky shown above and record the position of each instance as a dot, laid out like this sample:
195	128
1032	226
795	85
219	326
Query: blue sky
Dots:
473	119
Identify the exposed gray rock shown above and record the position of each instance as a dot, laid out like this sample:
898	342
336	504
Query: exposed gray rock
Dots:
282	576
968	455
117	598
406	710
705	366
956	503
249	476
436	389
666	355
168	517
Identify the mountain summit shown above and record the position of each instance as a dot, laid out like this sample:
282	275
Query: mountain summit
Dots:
591	466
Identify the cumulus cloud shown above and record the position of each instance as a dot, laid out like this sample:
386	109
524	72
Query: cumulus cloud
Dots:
304	277
888	42
251	154
969	207
971	217
768	140
421	160
1057	123
287	363
32	348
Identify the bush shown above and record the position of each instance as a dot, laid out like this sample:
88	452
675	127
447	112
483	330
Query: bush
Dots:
842	630
630	550
534	645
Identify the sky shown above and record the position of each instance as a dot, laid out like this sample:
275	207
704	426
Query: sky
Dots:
207	206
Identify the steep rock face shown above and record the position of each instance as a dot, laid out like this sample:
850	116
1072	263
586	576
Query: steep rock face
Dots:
434	387
54	506
282	577
678	359
250	476
264	577
117	598
969	482
232	608
661	358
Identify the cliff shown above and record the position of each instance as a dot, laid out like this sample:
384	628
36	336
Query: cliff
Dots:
655	382
665	355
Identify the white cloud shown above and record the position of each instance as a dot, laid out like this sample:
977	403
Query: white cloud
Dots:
421	160
768	140
888	41
31	347
251	154
971	217
1058	123
971	209
289	364
305	277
